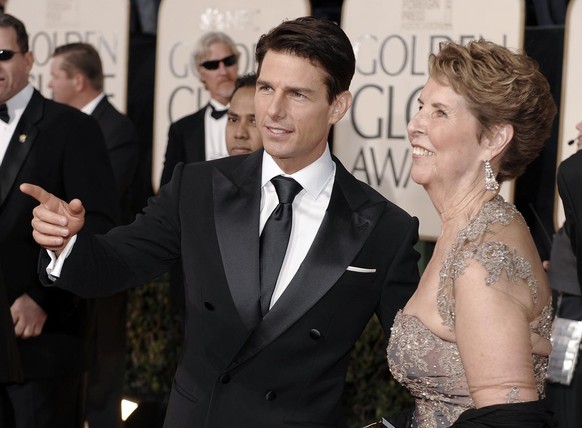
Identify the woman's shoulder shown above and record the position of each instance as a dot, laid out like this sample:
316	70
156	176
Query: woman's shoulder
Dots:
496	251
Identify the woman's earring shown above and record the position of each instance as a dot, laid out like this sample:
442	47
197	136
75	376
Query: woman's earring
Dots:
490	181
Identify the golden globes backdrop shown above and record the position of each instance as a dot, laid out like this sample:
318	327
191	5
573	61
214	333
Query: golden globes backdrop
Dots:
571	109
392	40
103	23
181	23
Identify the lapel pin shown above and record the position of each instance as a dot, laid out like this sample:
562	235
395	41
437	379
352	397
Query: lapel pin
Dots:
22	138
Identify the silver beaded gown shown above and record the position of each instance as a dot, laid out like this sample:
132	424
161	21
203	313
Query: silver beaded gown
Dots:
430	367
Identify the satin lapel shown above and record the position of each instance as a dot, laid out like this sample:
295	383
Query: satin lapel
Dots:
20	144
196	147
344	230
237	200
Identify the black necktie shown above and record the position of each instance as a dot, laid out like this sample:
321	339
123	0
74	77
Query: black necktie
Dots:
4	113
275	237
217	114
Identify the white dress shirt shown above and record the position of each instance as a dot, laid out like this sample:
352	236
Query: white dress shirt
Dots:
215	132
91	105
309	207
16	106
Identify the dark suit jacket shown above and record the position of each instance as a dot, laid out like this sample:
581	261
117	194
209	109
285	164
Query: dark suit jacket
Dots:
288	369
186	143
569	186
62	150
10	367
122	147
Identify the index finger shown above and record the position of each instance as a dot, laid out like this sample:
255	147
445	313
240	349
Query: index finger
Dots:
36	192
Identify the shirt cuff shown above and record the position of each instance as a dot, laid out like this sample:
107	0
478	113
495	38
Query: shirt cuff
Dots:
54	268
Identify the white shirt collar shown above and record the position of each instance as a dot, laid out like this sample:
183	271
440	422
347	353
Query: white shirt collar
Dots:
91	105
217	106
18	102
313	178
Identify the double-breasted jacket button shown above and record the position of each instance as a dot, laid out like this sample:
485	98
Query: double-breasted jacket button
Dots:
209	306
225	378
315	334
270	395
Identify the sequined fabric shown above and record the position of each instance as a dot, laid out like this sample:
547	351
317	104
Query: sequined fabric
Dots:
429	366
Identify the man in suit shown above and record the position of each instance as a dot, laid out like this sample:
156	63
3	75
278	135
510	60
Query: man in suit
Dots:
200	136
45	142
11	368
569	181
242	135
565	279
267	341
77	80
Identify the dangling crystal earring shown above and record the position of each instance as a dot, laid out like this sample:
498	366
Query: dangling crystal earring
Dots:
490	181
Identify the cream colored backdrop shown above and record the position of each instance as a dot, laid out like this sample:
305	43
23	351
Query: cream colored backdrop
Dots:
103	23
392	40
178	90
571	109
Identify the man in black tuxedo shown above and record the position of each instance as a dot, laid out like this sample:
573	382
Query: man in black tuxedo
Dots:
569	182
200	136
77	80
11	368
267	341
45	142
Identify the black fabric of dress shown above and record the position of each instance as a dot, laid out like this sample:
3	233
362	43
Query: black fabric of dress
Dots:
531	414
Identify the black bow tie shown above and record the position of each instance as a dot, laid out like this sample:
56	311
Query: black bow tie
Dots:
217	114
4	113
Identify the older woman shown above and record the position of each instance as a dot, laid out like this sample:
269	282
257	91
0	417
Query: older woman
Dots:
472	343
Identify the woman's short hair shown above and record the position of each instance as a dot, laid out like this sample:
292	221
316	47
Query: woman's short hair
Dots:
500	87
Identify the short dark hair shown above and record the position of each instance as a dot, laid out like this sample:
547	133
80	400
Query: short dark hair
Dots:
9	21
318	40
249	80
82	58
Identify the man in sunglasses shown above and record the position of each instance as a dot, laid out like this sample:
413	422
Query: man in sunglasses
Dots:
202	136
62	148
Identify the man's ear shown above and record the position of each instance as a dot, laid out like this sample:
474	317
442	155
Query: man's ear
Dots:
498	139
340	107
79	82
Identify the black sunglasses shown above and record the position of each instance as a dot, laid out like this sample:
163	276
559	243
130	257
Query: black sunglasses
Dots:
6	55
228	61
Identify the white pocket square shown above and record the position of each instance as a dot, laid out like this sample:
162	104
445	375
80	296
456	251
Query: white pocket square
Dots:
360	269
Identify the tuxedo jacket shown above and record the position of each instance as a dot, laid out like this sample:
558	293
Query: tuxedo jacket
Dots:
288	368
11	368
569	184
122	147
62	150
186	143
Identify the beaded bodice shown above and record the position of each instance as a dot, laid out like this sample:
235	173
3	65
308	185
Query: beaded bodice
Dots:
431	367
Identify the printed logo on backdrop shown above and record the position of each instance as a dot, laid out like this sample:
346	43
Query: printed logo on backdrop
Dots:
392	40
427	14
103	24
